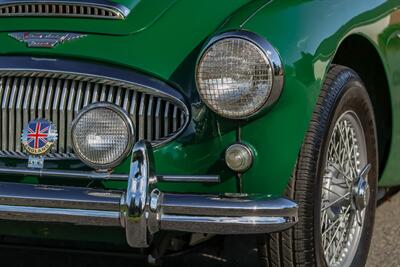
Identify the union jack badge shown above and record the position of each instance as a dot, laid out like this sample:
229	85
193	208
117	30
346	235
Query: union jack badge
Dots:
37	139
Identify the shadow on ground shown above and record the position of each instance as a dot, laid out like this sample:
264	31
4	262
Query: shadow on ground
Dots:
208	256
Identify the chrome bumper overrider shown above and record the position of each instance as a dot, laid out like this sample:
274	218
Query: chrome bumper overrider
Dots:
143	210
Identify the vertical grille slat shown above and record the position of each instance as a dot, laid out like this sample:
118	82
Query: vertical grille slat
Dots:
103	94
2	85
70	115
11	115
96	93
4	114
118	97
126	101
142	111
79	99
182	120
158	120
111	94
86	98
26	96
42	99
175	119
49	97
18	113
26	104
56	102
133	111
166	119
62	117
34	99
150	114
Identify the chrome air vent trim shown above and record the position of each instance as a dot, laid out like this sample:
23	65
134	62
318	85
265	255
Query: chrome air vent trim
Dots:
102	9
57	89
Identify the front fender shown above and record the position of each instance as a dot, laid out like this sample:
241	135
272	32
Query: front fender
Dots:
306	35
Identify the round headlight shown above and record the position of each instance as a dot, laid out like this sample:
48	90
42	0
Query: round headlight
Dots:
238	74
102	135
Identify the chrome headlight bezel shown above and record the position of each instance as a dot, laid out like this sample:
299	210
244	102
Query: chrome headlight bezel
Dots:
130	138
270	54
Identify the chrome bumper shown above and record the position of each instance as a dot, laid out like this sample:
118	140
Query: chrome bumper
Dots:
143	210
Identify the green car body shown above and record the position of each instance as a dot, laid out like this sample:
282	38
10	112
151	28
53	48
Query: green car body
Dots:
164	39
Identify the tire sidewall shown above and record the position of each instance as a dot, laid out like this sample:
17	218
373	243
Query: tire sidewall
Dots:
352	95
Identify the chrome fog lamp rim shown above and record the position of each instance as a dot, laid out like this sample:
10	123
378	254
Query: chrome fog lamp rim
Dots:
270	54
130	127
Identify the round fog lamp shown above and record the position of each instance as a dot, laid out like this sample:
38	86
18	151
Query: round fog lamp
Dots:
238	157
102	135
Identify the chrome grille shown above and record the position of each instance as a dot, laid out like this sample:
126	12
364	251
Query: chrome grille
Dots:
62	9
27	95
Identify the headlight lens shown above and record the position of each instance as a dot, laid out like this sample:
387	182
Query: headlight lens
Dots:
102	135
237	74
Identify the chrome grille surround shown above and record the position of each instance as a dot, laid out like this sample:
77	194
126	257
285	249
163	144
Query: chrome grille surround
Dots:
102	9
58	89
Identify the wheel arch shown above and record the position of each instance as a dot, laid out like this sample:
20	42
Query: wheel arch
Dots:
352	52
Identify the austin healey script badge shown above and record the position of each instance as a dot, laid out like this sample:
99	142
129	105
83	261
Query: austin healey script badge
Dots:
37	138
45	39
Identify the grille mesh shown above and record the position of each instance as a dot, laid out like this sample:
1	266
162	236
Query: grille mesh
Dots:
49	9
59	97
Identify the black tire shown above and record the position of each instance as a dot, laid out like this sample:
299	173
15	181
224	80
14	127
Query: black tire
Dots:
301	246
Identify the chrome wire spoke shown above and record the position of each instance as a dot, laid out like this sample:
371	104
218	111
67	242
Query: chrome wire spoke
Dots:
336	201
331	191
341	172
332	225
343	234
340	221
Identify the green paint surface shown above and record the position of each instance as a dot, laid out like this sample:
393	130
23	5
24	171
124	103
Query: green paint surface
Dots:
164	38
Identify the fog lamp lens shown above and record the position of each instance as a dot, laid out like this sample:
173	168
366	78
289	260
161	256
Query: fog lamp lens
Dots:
102	135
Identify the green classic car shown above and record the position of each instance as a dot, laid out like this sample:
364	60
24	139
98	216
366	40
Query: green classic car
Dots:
150	126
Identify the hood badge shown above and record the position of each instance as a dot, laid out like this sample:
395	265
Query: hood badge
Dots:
45	39
38	138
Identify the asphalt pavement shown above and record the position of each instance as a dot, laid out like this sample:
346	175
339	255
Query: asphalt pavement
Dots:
385	250
385	247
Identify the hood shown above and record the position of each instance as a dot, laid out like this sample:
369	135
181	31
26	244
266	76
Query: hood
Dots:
141	14
158	37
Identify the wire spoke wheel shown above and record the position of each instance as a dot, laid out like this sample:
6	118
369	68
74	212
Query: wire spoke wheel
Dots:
334	182
344	191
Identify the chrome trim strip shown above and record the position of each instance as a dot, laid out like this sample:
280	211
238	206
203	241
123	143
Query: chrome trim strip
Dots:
55	215
189	178
225	225
92	175
120	11
226	205
89	175
25	202
61	197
